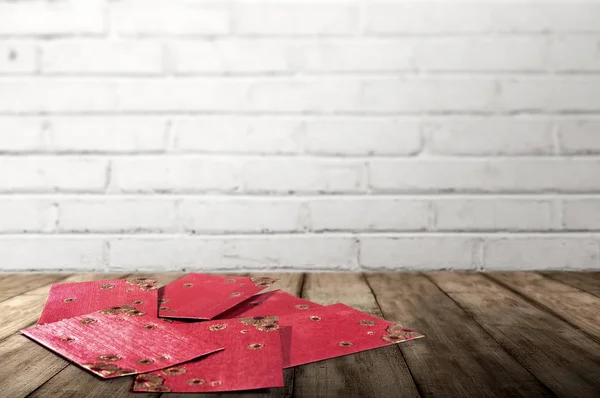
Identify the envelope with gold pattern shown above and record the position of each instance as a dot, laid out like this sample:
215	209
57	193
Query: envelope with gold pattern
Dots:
71	299
276	302
121	341
201	296
251	359
336	330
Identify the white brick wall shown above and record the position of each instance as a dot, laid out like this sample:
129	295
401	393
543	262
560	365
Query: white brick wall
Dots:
299	134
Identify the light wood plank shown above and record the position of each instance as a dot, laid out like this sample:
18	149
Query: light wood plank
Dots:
375	373
563	358
586	281
571	304
457	357
14	284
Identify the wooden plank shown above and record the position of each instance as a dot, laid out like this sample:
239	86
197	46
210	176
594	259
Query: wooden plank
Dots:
375	373
14	284
563	358
586	281
72	378
25	365
21	311
579	308
457	357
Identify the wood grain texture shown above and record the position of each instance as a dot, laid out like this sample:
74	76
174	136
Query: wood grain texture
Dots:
586	281
563	358
375	373
457	357
15	284
577	307
497	334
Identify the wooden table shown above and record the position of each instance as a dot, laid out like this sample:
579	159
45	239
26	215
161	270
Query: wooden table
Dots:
497	334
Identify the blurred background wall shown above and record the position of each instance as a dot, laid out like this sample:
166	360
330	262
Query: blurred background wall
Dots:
301	134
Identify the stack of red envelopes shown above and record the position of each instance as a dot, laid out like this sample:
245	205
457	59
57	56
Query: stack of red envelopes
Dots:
201	333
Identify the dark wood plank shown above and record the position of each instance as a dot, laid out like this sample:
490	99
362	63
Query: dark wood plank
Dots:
72	378
586	281
14	284
375	373
457	357
579	308
563	358
25	365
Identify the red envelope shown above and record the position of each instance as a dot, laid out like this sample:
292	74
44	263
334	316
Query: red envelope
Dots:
200	296
71	299
276	302
121	341
251	359
336	330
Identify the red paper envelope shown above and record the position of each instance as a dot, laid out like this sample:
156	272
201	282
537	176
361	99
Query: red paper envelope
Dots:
121	341
336	330
276	302
200	296
71	299
251	359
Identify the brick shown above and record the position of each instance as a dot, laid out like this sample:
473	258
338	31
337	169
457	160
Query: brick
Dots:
574	53
106	134
236	174
117	215
495	214
579	137
581	214
102	57
428	94
242	55
490	136
322	136
418	253
247	215
368	214
52	174
17	57
159	18
481	54
437	17
540	252
51	253
36	95
295	18
27	215
20	134
233	252
515	175
51	18
561	93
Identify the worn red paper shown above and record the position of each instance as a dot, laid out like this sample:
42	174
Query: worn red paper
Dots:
121	341
336	330
251	359
201	296
71	299
276	302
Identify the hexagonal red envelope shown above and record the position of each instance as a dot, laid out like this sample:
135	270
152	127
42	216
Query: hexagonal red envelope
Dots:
201	296
71	299
121	341
251	359
276	302
333	331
